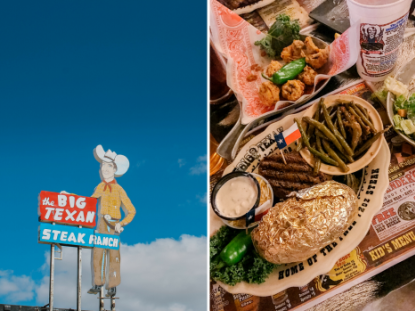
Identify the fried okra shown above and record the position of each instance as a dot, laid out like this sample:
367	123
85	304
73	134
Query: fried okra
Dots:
269	93
273	67
293	90
307	76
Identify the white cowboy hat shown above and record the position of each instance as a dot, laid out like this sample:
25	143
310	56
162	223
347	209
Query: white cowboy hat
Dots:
110	156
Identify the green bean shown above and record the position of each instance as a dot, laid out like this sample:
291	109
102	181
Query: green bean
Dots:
317	114
310	130
323	157
339	119
320	115
364	110
317	165
312	150
332	109
343	157
351	119
325	131
361	115
303	133
321	135
335	156
319	147
343	142
349	158
346	158
331	117
357	133
347	115
327	116
370	142
358	119
336	133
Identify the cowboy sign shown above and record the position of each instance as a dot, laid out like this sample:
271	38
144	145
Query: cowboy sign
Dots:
111	199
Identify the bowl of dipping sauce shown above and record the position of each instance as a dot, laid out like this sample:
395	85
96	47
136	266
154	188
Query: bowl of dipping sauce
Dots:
235	195
266	195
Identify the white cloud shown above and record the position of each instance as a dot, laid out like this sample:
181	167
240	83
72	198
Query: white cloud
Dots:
15	288
165	275
181	162
200	167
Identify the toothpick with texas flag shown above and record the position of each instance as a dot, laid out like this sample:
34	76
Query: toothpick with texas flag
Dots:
257	213
287	137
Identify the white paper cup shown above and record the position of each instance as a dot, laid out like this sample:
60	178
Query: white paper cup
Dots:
382	26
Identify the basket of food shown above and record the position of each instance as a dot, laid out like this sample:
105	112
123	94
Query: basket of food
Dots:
283	68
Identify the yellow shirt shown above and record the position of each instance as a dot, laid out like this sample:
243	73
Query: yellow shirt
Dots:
111	201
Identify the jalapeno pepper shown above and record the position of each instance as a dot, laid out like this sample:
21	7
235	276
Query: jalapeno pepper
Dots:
235	250
287	72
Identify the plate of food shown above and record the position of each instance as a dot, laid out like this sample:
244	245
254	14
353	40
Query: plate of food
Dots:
399	93
315	218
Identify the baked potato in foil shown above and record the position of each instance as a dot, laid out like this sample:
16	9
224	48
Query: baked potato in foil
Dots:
310	219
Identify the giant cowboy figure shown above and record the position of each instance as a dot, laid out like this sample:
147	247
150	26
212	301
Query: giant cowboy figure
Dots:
111	198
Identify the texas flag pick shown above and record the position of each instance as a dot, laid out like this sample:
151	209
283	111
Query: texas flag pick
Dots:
287	137
257	213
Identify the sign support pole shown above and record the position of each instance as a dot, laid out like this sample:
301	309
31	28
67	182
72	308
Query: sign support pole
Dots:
78	297
101	299
52	275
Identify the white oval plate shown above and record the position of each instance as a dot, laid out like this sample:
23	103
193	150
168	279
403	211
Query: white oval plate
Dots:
372	189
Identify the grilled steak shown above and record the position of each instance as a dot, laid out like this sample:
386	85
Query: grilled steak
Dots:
282	167
292	157
290	176
293	176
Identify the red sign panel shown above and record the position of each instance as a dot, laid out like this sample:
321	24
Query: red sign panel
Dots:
67	209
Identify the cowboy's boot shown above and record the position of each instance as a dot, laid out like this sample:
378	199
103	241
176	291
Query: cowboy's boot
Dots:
111	292
95	289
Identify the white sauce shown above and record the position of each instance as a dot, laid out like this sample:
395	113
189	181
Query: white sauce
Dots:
236	197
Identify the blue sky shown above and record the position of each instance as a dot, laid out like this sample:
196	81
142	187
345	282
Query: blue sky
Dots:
130	75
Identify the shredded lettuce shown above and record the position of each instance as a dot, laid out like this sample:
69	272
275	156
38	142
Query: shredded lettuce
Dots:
396	87
397	119
408	127
380	95
401	103
410	108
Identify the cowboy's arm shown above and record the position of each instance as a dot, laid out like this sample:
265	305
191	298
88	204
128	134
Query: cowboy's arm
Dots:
127	207
98	192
